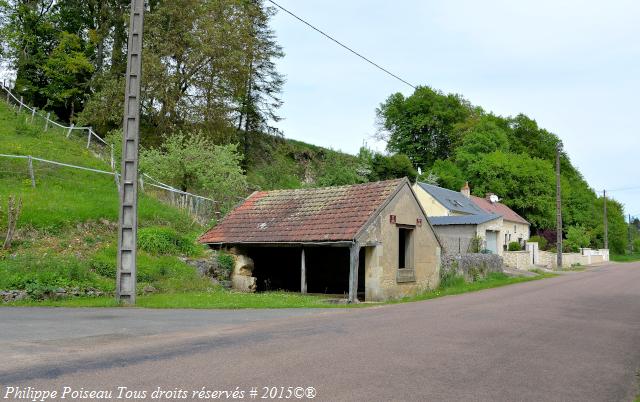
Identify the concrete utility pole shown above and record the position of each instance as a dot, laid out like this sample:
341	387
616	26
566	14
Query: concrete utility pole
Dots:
606	221
128	220
630	236
558	209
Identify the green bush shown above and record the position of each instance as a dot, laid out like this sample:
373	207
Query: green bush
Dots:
39	275
166	273
515	246
225	261
577	237
475	245
164	241
636	245
542	242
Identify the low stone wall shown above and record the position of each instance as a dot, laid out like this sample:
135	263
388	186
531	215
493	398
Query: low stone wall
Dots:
471	266
517	259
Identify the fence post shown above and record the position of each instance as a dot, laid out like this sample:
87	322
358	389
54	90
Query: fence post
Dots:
113	162
46	122
20	107
8	92
31	175
141	182
70	128
33	113
117	178
89	138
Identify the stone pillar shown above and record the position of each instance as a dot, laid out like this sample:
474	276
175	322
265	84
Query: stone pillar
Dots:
242	278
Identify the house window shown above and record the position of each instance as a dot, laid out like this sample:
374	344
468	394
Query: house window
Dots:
405	247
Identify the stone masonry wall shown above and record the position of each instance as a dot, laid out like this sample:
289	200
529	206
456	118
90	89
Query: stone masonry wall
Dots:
471	265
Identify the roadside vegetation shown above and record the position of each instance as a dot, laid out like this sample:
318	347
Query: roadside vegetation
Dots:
219	298
629	257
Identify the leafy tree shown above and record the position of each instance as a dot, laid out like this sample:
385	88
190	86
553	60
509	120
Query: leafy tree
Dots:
259	96
482	137
68	71
391	167
577	237
527	137
526	184
422	125
449	174
192	163
29	35
618	235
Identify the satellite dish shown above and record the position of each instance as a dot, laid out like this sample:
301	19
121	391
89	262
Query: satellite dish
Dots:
494	198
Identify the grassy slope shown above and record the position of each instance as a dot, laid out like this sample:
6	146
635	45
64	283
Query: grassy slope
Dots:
278	163
66	232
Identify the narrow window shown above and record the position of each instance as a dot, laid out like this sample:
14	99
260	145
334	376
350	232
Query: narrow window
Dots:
405	247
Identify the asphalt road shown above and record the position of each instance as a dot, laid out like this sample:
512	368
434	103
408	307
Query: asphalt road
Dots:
571	338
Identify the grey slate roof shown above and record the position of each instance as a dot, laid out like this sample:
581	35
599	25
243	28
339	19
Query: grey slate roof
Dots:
462	220
452	200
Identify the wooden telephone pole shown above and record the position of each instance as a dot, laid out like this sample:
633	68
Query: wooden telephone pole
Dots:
558	209
128	219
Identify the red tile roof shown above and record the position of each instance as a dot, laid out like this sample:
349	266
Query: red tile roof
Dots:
305	215
498	208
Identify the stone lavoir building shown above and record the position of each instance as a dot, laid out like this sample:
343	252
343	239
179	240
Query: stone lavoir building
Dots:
369	241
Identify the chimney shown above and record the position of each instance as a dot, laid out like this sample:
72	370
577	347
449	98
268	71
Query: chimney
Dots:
465	190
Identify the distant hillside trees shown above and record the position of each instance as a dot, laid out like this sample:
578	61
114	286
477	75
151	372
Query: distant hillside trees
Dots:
513	157
208	65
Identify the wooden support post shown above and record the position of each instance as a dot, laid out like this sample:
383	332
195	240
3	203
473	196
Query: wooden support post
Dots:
31	174
89	139
303	273
113	161
354	262
46	122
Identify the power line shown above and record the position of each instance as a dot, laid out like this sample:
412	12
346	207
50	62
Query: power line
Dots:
624	189
342	44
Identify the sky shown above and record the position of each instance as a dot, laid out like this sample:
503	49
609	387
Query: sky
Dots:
573	66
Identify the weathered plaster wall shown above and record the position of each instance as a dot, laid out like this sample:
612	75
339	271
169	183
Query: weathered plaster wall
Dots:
430	205
381	266
455	238
514	231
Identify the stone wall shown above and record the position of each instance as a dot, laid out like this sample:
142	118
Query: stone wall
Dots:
471	265
517	259
548	259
